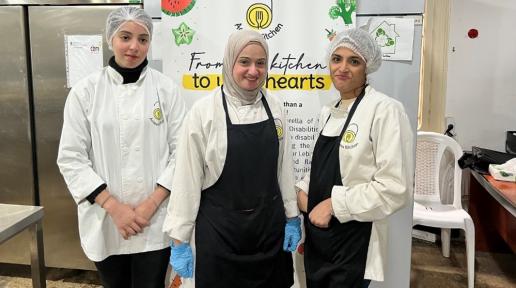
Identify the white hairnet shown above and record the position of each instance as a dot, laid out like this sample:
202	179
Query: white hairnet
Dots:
124	14
360	42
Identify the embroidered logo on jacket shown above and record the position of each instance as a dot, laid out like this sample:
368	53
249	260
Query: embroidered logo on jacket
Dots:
349	136
157	115
279	128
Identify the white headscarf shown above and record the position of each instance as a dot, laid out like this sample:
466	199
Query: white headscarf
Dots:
236	43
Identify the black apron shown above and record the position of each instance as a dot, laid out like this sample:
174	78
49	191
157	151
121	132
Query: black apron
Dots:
241	220
334	256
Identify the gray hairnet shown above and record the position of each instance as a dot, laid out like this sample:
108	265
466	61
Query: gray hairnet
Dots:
124	14
360	42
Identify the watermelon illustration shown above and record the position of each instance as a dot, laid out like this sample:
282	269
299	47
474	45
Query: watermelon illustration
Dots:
176	7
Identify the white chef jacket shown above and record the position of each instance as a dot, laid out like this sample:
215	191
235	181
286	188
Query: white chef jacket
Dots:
377	168
123	135
201	154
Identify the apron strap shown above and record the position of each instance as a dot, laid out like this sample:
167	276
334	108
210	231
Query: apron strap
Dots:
352	112
266	106
350	115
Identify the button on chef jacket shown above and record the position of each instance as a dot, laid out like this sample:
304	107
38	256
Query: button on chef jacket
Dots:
124	136
202	151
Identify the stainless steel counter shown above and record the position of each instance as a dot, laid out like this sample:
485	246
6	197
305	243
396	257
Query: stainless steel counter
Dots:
15	219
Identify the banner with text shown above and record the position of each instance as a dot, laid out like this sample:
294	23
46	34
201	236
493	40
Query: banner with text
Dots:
298	33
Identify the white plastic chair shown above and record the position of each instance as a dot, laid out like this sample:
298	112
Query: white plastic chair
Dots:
428	208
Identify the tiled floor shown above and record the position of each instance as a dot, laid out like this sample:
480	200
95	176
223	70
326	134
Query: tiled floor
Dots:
429	269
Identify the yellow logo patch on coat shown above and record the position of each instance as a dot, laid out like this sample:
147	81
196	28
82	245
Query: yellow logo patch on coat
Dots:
279	128
157	114
350	134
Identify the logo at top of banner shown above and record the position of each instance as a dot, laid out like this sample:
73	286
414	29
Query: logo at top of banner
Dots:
344	9
259	16
176	7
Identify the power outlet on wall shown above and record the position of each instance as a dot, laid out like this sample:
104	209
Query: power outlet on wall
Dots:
450	126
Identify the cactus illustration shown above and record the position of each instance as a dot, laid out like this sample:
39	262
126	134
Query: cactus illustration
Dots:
344	9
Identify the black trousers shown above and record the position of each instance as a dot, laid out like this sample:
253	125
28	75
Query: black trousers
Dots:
147	269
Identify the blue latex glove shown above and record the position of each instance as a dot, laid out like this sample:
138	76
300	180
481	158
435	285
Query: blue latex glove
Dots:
292	234
181	260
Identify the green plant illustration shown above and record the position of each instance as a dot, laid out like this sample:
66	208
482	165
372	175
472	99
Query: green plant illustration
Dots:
344	9
383	39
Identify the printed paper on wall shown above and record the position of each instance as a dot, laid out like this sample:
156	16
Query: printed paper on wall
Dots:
394	35
83	55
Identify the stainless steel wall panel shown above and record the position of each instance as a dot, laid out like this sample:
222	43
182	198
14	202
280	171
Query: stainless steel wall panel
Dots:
49	25
16	180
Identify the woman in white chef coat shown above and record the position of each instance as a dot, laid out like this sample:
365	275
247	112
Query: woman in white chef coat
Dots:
361	171
117	156
235	185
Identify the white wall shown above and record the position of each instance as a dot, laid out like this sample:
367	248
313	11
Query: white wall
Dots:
481	91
